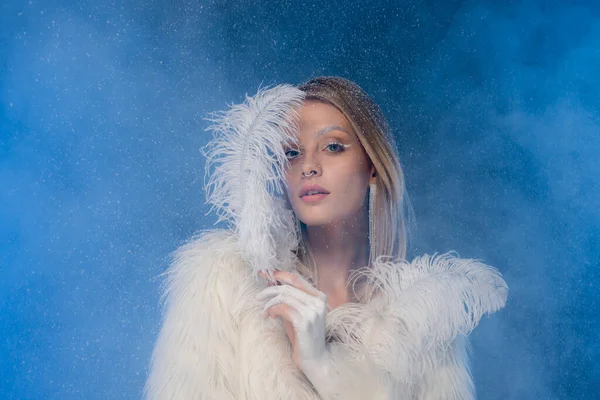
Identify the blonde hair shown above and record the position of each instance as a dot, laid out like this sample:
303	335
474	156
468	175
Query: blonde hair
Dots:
373	132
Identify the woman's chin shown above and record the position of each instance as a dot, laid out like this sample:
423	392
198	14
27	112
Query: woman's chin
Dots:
315	220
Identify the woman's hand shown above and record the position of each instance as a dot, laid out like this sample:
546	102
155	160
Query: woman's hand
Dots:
303	309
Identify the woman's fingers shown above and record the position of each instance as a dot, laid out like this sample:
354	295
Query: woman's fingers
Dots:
293	280
296	281
284	311
286	308
270	281
303	310
291	292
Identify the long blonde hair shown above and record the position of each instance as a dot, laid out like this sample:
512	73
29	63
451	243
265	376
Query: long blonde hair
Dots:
373	132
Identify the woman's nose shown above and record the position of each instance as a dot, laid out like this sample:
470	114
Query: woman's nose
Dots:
310	167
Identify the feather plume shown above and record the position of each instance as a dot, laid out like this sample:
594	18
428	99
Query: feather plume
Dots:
245	161
423	307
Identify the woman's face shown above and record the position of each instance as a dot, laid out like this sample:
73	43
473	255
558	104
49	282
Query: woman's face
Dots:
329	172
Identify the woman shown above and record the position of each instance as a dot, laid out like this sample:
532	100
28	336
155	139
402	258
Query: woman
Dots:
337	313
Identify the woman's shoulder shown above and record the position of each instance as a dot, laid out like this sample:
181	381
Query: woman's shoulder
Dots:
413	313
207	247
398	276
207	258
442	289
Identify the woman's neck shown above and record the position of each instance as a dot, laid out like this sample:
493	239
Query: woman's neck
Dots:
338	250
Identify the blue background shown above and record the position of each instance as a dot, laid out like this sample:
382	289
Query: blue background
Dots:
496	111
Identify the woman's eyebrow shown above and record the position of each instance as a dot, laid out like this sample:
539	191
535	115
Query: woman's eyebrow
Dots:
331	128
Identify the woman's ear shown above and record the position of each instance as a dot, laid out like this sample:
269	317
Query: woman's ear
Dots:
373	178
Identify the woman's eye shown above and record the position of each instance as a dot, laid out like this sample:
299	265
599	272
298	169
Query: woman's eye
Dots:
291	154
335	147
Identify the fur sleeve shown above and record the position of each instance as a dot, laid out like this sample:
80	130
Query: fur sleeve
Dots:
194	355
451	378
355	378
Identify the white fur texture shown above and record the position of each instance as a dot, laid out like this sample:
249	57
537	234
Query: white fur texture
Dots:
404	340
245	162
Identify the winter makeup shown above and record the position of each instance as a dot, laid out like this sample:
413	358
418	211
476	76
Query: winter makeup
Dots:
328	170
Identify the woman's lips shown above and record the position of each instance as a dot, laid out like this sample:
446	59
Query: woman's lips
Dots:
313	198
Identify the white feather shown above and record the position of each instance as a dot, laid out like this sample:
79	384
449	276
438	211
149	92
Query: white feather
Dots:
246	161
423	307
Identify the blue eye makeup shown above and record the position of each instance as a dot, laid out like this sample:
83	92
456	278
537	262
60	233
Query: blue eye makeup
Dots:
331	147
291	154
335	147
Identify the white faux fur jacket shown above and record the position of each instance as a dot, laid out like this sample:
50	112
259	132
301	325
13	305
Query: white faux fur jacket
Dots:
408	342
